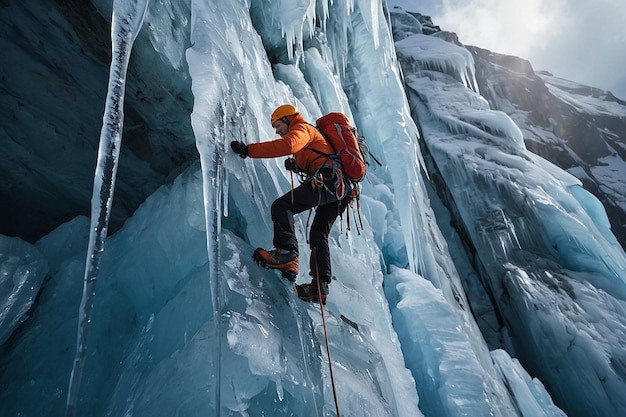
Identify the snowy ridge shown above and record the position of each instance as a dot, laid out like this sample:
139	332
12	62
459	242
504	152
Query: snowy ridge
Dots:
587	104
432	53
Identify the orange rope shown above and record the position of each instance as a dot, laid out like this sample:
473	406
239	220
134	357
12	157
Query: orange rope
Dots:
330	364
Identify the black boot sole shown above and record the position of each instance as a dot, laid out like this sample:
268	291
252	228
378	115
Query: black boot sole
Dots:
313	298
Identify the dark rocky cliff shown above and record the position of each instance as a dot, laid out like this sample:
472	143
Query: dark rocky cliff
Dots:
56	58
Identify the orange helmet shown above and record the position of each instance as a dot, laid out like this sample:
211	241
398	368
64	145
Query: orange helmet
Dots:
283	111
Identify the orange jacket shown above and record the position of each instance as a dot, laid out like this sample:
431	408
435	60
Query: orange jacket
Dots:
300	141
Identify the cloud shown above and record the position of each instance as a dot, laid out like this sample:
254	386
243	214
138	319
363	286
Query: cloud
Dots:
587	45
512	26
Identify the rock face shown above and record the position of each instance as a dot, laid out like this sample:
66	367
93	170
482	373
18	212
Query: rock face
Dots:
56	58
579	128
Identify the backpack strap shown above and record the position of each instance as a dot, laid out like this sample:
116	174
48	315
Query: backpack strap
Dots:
320	154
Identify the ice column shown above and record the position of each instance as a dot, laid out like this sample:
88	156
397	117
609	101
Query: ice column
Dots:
126	22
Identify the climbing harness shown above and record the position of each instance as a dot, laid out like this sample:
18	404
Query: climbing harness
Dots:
352	150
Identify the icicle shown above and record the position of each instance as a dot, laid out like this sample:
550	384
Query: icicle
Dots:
228	126
212	168
126	22
370	10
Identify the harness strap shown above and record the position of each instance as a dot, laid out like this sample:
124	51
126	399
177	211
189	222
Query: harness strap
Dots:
308	219
355	196
347	222
293	205
358	211
340	184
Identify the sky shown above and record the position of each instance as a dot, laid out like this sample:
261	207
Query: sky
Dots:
579	40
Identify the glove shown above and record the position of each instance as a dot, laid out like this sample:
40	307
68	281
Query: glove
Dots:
239	148
290	164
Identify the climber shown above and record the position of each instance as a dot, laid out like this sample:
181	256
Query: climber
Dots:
319	191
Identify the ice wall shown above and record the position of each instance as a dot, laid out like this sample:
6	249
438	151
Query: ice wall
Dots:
22	272
186	324
541	243
237	108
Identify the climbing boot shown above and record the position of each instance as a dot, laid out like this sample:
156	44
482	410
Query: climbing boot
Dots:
286	262
310	292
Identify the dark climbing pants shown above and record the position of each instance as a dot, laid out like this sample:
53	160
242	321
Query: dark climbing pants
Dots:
328	208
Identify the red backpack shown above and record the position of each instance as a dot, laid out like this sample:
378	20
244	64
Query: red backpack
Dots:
350	150
342	137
